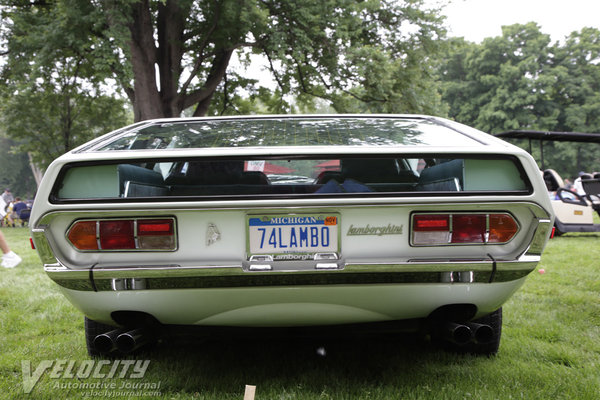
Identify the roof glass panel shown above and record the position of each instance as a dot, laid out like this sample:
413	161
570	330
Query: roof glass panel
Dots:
265	132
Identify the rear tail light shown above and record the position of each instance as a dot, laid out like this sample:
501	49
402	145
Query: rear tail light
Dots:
123	234
461	228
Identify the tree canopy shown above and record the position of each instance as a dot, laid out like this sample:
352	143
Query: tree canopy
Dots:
521	81
172	55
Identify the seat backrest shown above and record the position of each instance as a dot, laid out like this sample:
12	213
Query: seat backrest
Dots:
134	173
552	180
254	178
591	187
24	214
214	172
371	170
447	172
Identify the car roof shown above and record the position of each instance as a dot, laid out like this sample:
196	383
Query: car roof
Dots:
295	130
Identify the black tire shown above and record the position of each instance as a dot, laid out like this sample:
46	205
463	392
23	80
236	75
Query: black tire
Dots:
93	329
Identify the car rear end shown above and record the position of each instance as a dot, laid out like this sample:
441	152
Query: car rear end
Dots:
318	221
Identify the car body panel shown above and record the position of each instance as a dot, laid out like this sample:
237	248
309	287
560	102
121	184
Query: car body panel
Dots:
212	277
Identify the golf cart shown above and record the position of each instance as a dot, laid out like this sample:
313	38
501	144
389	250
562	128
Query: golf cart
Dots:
574	212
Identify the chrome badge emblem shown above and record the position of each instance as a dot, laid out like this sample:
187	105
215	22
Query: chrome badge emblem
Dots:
212	234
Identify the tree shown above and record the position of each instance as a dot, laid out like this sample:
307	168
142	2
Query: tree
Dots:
504	83
577	93
16	174
52	117
171	55
520	81
52	101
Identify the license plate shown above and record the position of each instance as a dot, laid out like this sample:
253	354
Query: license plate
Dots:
293	234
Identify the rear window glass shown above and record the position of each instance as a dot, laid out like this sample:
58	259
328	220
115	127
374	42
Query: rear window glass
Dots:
286	132
291	176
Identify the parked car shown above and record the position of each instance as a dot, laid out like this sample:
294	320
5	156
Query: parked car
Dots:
573	210
417	223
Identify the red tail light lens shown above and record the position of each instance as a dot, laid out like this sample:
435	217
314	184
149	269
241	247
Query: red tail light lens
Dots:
455	228
467	228
431	223
155	227
431	229
123	234
117	235
156	234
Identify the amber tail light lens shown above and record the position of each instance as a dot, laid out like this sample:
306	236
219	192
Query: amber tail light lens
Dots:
83	235
462	228
502	228
123	234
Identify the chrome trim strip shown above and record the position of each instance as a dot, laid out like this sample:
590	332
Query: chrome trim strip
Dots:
176	277
118	210
540	237
43	246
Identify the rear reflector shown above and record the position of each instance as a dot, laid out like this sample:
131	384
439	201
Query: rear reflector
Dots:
123	234
462	228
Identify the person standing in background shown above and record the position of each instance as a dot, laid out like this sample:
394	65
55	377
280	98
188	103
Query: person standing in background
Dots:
7	196
9	258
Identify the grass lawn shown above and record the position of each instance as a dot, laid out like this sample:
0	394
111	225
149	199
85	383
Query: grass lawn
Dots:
550	347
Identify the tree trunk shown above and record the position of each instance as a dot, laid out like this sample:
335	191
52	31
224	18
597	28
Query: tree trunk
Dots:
147	103
170	27
35	170
163	62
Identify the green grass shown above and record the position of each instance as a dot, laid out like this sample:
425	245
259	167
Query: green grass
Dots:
550	347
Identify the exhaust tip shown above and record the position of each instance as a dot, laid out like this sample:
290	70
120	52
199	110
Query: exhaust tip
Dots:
105	342
458	333
481	333
126	343
132	340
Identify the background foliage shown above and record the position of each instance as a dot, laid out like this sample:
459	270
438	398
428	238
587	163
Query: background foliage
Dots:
72	69
520	81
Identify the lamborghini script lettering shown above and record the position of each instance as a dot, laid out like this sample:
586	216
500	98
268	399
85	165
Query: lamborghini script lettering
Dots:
374	230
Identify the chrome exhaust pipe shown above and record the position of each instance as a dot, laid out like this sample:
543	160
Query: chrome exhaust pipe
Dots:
132	340
481	333
457	333
106	342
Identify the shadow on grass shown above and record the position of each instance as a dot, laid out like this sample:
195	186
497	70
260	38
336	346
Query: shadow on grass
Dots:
223	365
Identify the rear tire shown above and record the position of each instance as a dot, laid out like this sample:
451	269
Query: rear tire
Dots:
93	329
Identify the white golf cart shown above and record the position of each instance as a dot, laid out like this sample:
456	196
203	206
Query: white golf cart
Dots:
574	212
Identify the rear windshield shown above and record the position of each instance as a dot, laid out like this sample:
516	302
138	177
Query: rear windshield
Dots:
291	176
258	132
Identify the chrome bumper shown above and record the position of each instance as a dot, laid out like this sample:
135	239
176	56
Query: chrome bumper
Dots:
175	277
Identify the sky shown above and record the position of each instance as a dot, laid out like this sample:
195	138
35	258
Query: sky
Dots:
477	19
